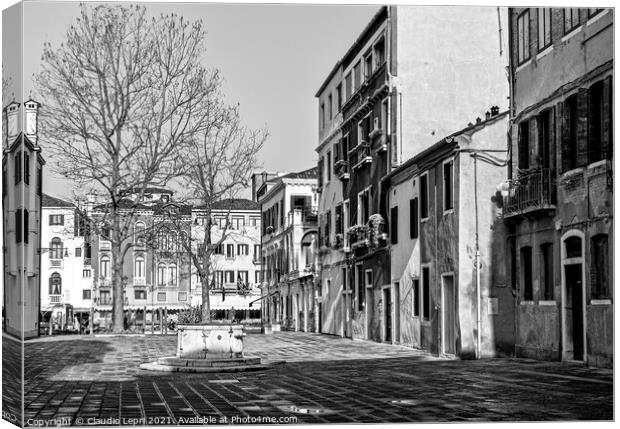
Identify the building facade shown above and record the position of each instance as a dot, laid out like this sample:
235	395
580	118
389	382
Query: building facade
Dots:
22	180
289	245
444	224
558	204
66	266
159	275
403	81
333	220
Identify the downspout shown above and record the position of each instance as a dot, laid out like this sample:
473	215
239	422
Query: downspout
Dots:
512	111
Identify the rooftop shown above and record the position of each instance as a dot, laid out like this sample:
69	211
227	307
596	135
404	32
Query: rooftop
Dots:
49	201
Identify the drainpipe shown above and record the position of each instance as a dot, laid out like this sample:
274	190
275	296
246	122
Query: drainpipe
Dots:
477	260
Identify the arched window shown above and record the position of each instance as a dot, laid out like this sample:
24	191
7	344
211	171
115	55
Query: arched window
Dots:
104	266
162	239
172	274
138	231
56	248
55	286
161	274
172	241
573	246
139	267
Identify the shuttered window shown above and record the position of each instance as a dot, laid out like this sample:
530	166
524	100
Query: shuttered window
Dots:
599	262
524	145
413	218
394	225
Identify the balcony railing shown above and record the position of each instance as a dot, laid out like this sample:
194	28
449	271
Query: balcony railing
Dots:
54	298
531	192
360	155
87	262
302	216
342	169
137	281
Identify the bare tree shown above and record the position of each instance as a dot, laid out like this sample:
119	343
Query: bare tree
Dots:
219	164
123	95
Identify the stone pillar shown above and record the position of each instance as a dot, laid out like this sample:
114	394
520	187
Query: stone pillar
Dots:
144	320
161	321
165	320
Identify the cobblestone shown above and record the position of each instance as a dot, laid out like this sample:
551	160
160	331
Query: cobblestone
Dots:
326	380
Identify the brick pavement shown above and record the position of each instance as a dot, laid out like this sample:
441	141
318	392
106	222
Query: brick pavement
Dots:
326	379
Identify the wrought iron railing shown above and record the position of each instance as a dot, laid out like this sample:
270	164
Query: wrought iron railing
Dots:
531	191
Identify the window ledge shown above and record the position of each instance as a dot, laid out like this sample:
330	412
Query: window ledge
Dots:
524	65
424	219
547	303
449	211
600	302
527	303
544	52
572	33
596	17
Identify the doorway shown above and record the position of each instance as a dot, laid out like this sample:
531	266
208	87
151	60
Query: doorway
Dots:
573	307
346	314
448	315
387	315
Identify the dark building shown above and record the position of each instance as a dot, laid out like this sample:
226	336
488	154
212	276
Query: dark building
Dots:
558	205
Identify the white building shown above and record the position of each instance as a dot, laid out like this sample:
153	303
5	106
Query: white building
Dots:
289	250
236	264
66	269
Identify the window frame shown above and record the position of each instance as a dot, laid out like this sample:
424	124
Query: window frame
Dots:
450	163
546	21
572	12
524	39
423	192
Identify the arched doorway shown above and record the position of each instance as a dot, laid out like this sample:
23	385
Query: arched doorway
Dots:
574	345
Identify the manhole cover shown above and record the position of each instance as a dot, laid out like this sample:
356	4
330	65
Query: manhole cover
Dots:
405	402
307	410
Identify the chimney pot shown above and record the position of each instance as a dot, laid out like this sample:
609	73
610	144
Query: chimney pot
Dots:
487	115
478	120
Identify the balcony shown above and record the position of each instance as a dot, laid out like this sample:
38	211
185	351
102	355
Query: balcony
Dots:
302	216
360	155
54	299
378	141
530	193
342	169
87	262
105	245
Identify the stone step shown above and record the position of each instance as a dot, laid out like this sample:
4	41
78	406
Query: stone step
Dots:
209	362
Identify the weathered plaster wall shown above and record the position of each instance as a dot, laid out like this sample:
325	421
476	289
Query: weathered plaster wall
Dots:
447	78
570	57
489	176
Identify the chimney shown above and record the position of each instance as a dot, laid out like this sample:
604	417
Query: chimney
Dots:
487	115
494	110
31	110
478	120
11	122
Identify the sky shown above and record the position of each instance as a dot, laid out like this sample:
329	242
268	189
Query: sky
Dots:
273	59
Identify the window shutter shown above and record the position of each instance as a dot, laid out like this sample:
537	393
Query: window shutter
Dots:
26	226
18	225
607	137
394	224
531	141
552	140
564	135
583	103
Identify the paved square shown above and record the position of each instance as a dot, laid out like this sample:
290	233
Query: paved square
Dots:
326	379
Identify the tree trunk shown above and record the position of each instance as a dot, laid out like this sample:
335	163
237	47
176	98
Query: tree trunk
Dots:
206	303
117	287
